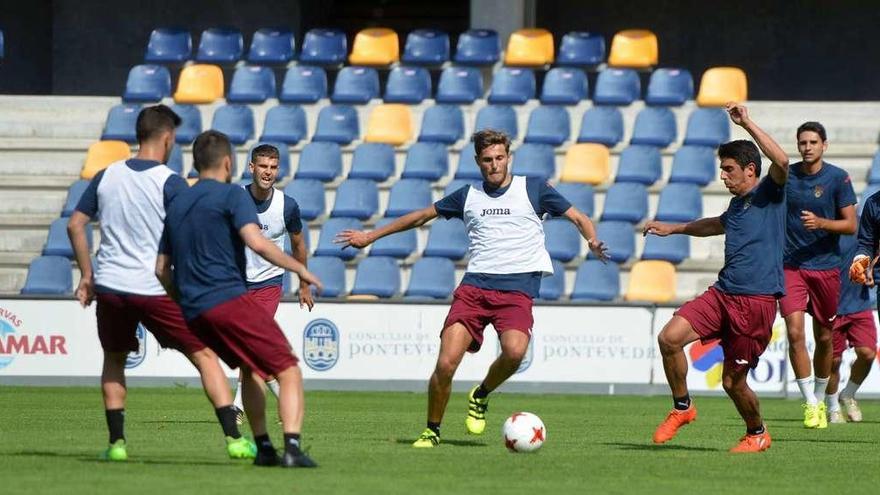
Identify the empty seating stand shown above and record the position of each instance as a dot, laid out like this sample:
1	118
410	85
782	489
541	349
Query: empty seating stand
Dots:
324	47
309	195
220	46
190	125
581	48
426	160
548	125
532	47
375	46
408	85
374	161
356	198
564	86
553	287
596	281
512	85
121	121
101	154
478	47
670	87
49	275
271	46
693	164
337	123
356	85
651	281
426	47
331	271
635	48
304	84
587	163
617	87
169	45
147	83
707	127
603	125
442	124
720	85
320	161
285	124
655	126
236	121
199	84
432	278
377	276
398	245
462	85
251	84
390	123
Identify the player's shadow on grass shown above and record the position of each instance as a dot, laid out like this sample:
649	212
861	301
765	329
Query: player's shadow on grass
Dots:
93	458
820	440
656	448
180	421
46	453
457	443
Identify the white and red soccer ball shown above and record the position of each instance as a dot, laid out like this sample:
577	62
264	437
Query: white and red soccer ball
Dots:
523	432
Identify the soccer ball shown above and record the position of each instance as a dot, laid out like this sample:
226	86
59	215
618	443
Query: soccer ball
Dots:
523	432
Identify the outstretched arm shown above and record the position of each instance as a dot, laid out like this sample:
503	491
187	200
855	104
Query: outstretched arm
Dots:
267	249
588	232
778	171
362	238
704	227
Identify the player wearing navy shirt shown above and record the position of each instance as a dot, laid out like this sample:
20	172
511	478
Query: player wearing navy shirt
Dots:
740	308
507	260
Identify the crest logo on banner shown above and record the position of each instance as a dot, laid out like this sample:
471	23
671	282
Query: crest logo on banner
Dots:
321	344
136	358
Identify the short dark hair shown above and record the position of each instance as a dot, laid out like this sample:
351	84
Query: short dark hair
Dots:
489	137
814	127
209	148
743	152
265	150
154	120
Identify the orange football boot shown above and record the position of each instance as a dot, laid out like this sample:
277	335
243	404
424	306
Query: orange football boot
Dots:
753	443
674	420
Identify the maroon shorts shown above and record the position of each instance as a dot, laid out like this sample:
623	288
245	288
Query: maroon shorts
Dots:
858	329
475	308
814	291
119	314
744	323
240	331
268	297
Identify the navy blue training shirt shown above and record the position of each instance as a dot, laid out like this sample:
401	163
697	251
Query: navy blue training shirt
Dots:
854	298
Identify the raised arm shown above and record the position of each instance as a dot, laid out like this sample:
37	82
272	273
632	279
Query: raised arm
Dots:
704	227
76	231
363	238
778	170
588	231
254	239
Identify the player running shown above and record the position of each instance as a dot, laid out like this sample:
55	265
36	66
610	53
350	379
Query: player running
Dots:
507	260
130	199
206	230
741	306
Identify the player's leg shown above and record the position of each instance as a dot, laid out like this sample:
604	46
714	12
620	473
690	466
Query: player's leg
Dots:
514	345
734	380
832	390
793	306
860	368
677	333
254	402
237	400
824	293
291	409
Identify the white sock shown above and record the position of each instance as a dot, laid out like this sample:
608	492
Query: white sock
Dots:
807	390
820	384
273	386
850	390
832	402
237	400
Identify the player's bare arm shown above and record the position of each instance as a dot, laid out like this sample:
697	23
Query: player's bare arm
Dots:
254	239
163	273
588	231
845	224
704	227
363	238
778	171
298	246
76	230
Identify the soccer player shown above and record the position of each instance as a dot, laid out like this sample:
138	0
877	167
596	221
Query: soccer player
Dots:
507	260
206	230
130	199
820	207
741	306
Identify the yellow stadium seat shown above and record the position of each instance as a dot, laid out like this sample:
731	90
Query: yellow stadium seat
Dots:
199	83
102	154
391	124
192	180
362	297
529	47
720	85
651	281
375	46
635	48
587	163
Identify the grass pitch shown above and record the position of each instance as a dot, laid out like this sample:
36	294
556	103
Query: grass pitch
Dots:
50	439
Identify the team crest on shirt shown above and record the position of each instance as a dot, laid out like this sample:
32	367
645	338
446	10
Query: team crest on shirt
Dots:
135	358
817	191
321	344
747	203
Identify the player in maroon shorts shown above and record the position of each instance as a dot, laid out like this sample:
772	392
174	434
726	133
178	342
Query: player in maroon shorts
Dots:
740	308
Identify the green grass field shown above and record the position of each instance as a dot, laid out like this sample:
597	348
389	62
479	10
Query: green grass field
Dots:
50	439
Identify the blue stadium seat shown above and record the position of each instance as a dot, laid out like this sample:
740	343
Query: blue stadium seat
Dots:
564	86
707	127
49	275
175	161
655	126
447	239
673	248
73	194
324	47
429	161
236	121
580	48
596	281
408	195
626	201
147	83
377	276
512	85
190	125
553	287
283	161
603	125
617	87
326	246
478	47
120	125
535	160
337	123
442	124
285	124
548	125
57	243
169	45
498	117
456	184
467	166
693	164
251	84
680	202
639	163
374	161
620	239
320	161
272	46
459	85
670	87
426	47
309	195
356	198
355	85
408	85
562	239
398	245
304	84
193	173
874	171
331	271
220	46
580	195
431	278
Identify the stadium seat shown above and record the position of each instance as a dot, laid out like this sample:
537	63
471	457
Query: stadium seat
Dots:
587	163
673	248
333	226
564	86
655	126
478	47
456	184
443	124
553	287
431	278
355	85
874	171
120	124
640	164
199	84
532	47
426	160
707	127
194	174
190	125
869	191
283	161
447	239
331	271
390	123
324	47
680	202
251	84
175	161
73	194
670	87
620	239
581	196
356	198
626	202
562	239
693	164
651	281
272	46
535	160
374	161
617	87
236	121
377	276
580	48
57	243
320	160
459	85
304	84
603	125
408	85
596	281
101	154
337	123
169	45
720	85
375	46
512	85
309	195
426	47
467	169
498	117
285	124
147	83
636	48
220	46
49	275
548	125
398	245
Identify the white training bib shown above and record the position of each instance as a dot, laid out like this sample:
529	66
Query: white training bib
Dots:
274	228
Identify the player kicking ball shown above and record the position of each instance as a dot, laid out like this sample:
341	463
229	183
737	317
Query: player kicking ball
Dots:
507	260
740	308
